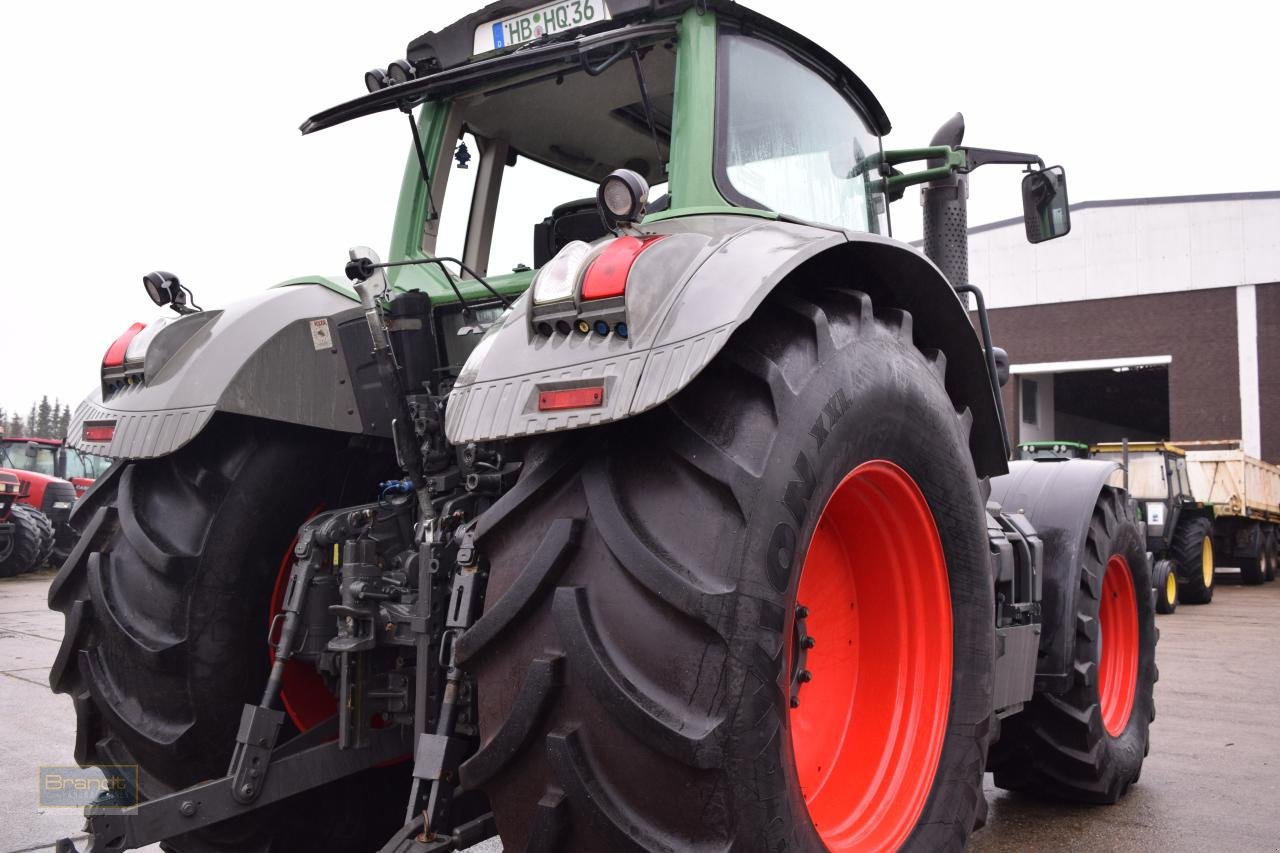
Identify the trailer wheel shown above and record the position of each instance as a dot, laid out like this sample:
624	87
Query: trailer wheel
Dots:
1253	567
759	617
25	542
1087	743
166	599
1269	548
1165	581
1192	551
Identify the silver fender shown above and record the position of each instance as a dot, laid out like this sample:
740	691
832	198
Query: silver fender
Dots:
255	357
685	297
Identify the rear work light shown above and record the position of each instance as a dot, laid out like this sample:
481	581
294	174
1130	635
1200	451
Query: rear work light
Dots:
115	354
571	398
99	431
607	274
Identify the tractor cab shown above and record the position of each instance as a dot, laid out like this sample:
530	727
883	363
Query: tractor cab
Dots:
1157	480
527	108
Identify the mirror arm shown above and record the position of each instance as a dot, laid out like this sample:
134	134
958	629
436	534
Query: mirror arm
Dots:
892	182
975	157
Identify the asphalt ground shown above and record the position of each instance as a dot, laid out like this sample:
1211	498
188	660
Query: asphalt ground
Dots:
1211	783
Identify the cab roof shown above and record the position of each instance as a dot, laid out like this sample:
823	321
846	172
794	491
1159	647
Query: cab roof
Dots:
444	57
1139	447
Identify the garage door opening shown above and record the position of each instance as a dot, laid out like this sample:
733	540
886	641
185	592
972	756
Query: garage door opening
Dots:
1092	402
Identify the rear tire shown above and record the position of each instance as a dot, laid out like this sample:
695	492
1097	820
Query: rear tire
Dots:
1083	745
166	602
26	541
1165	582
1191	548
636	653
45	528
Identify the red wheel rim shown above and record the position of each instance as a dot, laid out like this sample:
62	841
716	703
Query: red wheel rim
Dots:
1117	645
869	728
302	691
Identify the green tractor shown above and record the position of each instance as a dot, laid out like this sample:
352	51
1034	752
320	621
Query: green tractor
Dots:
688	528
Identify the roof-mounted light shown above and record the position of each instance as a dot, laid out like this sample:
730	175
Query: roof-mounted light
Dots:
376	80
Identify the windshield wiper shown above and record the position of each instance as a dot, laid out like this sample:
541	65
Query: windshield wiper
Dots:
453	80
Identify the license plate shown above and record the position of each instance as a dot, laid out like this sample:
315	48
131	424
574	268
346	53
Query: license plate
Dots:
536	23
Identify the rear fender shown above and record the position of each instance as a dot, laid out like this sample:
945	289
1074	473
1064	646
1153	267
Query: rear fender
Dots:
686	295
297	354
1058	497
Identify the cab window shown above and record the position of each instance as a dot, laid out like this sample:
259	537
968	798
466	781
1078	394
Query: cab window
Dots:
788	141
539	143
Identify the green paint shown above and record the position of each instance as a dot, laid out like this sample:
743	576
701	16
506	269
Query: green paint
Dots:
693	126
709	210
411	212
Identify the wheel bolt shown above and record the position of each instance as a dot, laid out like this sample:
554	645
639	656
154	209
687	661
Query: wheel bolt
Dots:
805	676
808	642
188	808
802	612
795	702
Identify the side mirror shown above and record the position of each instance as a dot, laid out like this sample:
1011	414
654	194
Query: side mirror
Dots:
1045	210
32	450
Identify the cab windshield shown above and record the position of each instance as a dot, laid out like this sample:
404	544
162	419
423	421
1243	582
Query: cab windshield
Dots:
789	141
529	151
15	456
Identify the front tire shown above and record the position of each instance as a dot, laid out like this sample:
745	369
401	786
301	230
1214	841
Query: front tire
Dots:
1087	744
166	602
1165	582
642	640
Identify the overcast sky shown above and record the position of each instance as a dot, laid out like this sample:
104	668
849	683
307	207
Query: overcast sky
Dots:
145	135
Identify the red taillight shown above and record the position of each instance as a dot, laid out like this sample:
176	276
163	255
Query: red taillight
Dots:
115	355
99	432
607	275
571	398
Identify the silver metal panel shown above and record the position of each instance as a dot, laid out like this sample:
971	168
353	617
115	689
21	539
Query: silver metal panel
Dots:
138	435
486	411
255	357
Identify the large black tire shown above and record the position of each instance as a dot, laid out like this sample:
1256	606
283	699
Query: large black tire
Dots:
23	551
634	652
45	528
1253	563
166	599
1059	746
1195	580
1164	580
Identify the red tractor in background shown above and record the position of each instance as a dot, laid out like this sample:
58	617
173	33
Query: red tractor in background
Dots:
52	477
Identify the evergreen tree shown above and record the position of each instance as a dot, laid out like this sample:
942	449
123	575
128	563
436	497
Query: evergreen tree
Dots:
4	419
64	422
44	420
30	424
14	427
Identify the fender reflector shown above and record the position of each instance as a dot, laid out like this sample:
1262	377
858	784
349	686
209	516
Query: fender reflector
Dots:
571	398
115	354
607	274
99	431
